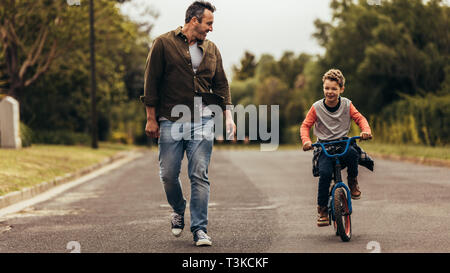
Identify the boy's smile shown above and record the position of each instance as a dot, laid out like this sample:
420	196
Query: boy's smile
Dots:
331	92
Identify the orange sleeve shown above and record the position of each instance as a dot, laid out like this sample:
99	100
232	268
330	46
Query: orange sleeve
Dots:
359	119
309	121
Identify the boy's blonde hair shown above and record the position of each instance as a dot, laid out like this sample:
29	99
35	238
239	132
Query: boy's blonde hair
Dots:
334	75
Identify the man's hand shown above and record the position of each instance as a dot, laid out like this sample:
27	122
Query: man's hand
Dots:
152	128
365	136
229	125
230	128
307	146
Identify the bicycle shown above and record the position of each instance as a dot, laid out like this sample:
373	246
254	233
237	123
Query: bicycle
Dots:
339	201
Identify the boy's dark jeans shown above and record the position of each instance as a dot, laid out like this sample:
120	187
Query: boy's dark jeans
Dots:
350	159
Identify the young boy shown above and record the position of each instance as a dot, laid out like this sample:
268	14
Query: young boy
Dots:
331	118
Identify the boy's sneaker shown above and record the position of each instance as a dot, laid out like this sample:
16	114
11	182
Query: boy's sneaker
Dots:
322	219
354	188
201	239
177	221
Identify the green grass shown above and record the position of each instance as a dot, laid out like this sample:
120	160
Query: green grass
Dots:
407	150
30	166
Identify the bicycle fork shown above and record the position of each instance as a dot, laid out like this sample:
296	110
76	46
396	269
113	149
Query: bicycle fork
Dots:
340	184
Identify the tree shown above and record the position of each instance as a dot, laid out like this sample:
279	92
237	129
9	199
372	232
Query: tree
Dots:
247	67
31	39
395	58
398	47
276	82
59	99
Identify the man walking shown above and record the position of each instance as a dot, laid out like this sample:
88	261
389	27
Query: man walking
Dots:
181	64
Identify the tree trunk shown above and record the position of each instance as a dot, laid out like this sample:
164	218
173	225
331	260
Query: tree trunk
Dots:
94	143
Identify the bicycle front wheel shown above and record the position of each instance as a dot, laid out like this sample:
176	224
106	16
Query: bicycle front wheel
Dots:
342	215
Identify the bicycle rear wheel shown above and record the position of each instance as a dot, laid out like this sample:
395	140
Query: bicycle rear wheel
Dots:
342	215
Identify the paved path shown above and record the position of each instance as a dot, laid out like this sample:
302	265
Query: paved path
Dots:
260	202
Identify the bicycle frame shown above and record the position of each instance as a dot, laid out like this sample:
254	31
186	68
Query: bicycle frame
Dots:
337	171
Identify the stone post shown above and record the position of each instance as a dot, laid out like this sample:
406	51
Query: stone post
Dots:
9	124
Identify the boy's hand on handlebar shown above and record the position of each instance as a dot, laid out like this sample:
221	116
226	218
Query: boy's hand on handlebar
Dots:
365	136
307	146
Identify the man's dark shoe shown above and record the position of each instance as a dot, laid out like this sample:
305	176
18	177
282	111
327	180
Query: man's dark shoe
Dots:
322	219
354	188
177	221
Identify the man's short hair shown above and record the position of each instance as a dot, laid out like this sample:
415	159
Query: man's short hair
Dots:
197	9
334	75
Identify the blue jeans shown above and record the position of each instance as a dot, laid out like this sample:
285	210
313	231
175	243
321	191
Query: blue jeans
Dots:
350	159
196	139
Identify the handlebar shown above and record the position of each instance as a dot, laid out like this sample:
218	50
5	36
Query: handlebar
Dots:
320	144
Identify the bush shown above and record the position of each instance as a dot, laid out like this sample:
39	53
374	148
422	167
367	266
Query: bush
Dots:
121	137
63	137
291	135
415	120
26	135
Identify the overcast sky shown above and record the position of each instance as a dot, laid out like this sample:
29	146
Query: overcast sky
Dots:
259	26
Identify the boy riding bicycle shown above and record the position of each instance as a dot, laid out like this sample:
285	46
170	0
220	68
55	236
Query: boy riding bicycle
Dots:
331	118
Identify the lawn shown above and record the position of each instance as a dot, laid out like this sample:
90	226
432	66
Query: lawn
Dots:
419	152
38	163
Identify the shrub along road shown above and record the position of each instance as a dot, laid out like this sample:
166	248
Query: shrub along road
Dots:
260	202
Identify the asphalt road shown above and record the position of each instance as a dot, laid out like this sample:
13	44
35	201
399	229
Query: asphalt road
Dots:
260	202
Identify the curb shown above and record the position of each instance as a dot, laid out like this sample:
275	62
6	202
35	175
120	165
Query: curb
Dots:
29	192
